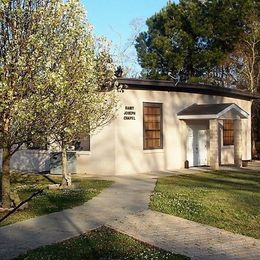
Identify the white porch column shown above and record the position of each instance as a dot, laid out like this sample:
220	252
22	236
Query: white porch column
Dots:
214	144
237	143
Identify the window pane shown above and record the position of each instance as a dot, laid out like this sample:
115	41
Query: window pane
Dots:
228	132
37	145
82	144
152	125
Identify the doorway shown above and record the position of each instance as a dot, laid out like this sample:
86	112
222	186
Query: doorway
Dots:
197	145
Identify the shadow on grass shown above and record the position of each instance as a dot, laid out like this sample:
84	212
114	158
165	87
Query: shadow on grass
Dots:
102	243
245	175
229	200
51	200
219	180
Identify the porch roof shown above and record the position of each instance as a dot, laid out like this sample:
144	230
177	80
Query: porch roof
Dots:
212	111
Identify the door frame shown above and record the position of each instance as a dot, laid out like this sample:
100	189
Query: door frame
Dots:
192	146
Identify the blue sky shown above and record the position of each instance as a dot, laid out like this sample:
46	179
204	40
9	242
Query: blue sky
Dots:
113	19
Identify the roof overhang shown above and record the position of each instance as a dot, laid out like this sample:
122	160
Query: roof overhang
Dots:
212	111
197	88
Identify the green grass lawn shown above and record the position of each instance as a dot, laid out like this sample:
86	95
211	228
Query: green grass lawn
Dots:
224	199
102	243
51	200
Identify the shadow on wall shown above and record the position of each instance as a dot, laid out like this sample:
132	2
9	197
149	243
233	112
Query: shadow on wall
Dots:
56	162
29	160
174	150
101	157
181	101
133	158
178	128
127	141
200	99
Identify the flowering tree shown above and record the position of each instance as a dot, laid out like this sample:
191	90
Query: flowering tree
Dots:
84	98
88	99
49	77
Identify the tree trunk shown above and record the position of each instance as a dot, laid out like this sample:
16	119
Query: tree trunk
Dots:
255	126
254	152
66	177
6	190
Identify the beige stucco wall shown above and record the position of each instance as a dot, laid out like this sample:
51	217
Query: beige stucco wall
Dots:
129	137
29	161
118	148
101	158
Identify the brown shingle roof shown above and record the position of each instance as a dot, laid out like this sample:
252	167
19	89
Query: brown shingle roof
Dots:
207	111
204	109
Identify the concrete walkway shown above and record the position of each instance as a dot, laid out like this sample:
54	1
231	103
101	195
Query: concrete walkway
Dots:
186	237
124	206
126	196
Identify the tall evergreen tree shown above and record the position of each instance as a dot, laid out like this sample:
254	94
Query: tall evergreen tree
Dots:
191	39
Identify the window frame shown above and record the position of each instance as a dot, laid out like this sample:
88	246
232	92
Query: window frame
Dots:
79	140
225	143
33	146
157	105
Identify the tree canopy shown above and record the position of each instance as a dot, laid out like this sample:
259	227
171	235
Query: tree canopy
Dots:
54	76
213	41
192	39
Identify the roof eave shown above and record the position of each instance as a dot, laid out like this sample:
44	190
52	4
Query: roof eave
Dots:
196	117
240	112
164	85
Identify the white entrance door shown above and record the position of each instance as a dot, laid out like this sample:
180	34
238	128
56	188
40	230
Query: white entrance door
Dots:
197	145
202	147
